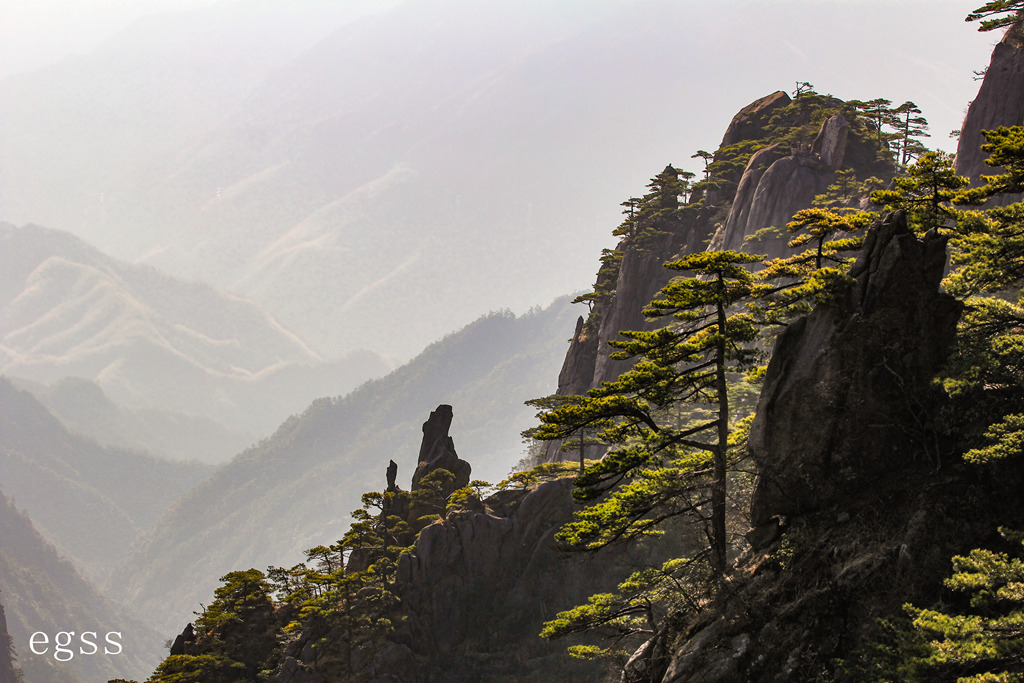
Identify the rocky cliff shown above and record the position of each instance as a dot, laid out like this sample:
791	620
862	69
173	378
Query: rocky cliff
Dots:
864	363
776	156
479	584
855	518
1000	102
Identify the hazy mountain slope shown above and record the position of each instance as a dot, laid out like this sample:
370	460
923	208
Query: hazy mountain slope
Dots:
89	500
435	155
149	339
295	490
428	154
82	407
142	96
43	592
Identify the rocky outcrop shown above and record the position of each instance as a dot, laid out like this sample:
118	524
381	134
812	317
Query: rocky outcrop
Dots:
1000	102
183	641
437	450
778	182
480	584
830	145
749	123
847	390
640	274
846	462
477	588
577	371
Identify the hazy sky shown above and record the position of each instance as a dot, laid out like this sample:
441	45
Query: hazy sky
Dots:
36	32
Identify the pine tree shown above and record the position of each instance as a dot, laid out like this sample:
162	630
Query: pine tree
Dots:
925	192
657	470
1003	13
1005	147
909	126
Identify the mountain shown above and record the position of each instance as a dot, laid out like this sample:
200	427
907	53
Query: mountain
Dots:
423	156
83	407
153	340
296	488
43	592
89	500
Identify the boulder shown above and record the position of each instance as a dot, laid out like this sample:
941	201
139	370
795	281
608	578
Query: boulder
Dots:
183	640
749	122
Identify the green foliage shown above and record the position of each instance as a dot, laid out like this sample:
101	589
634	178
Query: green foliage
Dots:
430	499
238	627
879	115
662	466
790	286
1006	440
925	192
988	249
843	189
604	287
548	471
640	607
985	375
983	640
658	212
1005	147
1000	12
909	126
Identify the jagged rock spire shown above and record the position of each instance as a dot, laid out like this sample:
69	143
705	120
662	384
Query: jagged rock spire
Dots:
437	450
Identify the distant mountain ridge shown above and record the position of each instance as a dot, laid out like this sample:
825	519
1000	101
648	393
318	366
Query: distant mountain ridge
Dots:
82	406
153	340
89	500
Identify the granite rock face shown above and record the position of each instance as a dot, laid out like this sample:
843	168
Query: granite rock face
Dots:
577	371
1000	102
437	450
830	145
749	122
478	585
778	182
641	276
847	387
846	472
